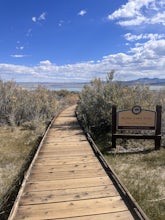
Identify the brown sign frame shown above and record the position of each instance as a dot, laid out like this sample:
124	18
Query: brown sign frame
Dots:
129	123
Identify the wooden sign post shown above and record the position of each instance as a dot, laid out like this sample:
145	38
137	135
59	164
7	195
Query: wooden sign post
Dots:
137	119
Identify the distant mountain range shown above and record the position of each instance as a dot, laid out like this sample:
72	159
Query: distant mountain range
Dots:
146	81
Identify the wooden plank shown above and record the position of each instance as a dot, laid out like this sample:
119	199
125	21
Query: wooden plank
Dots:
69	161
60	160
69	157
52	154
84	145
53	144
68	172
67	184
74	153
65	150
61	195
66	175
66	167
66	133
62	140
71	208
124	215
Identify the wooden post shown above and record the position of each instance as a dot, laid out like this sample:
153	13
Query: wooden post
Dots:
158	127
113	126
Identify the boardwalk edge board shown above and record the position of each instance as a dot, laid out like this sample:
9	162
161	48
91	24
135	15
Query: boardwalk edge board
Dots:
133	206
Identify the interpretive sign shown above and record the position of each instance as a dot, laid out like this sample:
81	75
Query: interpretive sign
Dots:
136	119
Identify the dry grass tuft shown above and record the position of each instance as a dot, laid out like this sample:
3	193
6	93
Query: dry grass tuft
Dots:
15	146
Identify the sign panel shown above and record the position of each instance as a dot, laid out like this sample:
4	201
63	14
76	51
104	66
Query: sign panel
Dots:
136	119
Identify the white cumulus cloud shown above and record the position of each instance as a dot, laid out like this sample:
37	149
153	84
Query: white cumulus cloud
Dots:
82	12
45	62
133	37
34	19
18	55
40	18
137	12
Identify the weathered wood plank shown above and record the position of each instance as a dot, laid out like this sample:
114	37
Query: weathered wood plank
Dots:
64	151
56	154
67	184
72	174
124	215
57	145
62	195
67	160
66	167
71	208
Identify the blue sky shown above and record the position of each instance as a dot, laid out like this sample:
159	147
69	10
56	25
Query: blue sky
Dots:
77	40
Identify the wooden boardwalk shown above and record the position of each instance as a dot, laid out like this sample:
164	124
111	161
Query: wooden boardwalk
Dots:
66	180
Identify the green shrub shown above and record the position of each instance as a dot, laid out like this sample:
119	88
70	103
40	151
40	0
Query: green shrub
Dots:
97	98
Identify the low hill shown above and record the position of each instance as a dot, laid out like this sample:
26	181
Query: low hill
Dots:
147	81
